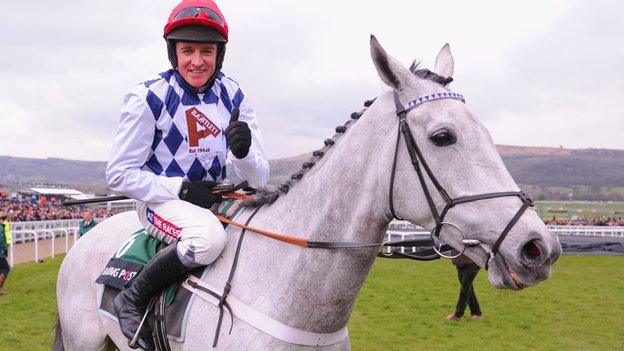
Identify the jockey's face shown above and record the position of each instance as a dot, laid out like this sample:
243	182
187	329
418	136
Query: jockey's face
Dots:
196	62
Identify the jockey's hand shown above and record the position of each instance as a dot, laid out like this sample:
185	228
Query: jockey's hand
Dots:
199	193
238	136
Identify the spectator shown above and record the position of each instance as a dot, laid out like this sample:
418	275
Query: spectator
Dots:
5	242
466	272
587	221
87	223
25	210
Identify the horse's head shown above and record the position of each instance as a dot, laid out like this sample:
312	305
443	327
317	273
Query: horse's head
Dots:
462	179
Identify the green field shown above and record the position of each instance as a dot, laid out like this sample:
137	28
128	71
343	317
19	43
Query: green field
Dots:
579	209
402	307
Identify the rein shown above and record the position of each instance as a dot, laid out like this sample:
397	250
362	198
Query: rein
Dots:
298	241
418	161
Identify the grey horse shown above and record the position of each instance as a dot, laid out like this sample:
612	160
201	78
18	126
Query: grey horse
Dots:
344	197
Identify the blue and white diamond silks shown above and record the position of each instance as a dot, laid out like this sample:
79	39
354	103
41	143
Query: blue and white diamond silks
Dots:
176	133
171	152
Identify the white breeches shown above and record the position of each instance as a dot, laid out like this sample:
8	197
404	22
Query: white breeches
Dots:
199	233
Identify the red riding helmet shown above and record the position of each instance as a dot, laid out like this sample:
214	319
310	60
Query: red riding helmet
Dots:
198	13
196	21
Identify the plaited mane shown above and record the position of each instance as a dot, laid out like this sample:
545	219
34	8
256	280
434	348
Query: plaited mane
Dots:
267	196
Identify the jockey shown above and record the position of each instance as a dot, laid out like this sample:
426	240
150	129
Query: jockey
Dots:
171	148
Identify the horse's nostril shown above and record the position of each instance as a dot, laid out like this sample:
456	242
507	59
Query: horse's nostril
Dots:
531	250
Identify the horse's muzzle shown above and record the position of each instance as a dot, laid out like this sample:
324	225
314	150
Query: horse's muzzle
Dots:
532	263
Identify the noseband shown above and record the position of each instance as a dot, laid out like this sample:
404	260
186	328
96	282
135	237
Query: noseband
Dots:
418	160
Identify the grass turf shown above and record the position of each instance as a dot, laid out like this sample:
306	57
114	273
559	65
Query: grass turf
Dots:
28	310
403	305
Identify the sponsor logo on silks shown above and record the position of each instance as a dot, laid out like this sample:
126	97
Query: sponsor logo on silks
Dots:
195	117
161	224
119	273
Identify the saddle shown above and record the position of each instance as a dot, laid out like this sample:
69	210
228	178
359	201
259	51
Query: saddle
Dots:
168	311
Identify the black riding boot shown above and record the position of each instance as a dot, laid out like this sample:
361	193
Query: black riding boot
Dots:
131	303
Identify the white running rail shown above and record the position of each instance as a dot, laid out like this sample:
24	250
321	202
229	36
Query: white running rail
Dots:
404	227
24	232
36	231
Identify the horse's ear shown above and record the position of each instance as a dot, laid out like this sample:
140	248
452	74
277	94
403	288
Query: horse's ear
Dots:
389	69
444	64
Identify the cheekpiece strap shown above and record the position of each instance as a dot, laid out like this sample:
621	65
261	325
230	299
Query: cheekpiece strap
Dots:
400	110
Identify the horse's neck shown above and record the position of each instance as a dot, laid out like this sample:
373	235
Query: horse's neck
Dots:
343	198
347	188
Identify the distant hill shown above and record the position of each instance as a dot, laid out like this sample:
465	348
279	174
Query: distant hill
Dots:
565	167
50	170
548	173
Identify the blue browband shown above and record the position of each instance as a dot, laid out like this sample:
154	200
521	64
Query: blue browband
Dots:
431	97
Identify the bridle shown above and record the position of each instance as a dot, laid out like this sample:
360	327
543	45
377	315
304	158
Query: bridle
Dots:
417	160
419	163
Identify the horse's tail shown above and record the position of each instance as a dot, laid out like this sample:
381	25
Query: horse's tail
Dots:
58	336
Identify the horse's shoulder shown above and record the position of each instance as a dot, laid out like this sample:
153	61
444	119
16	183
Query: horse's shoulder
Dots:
123	218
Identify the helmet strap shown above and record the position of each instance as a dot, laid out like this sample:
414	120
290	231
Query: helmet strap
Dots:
171	52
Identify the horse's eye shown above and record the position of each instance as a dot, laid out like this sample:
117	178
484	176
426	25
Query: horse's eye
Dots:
443	137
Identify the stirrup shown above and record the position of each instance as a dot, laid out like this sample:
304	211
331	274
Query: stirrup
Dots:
133	343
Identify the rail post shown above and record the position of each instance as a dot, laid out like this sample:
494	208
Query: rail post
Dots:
36	246
66	241
51	232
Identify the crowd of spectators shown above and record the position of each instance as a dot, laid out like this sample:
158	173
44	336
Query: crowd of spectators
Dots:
588	221
28	210
44	209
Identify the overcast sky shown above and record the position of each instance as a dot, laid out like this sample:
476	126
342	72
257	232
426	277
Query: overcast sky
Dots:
536	73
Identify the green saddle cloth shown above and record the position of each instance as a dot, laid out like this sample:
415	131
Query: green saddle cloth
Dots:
140	248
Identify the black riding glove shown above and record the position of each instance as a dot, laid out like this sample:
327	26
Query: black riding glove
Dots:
238	136
199	193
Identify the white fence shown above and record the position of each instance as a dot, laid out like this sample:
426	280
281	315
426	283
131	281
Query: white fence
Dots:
610	232
63	230
66	230
404	228
22	231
